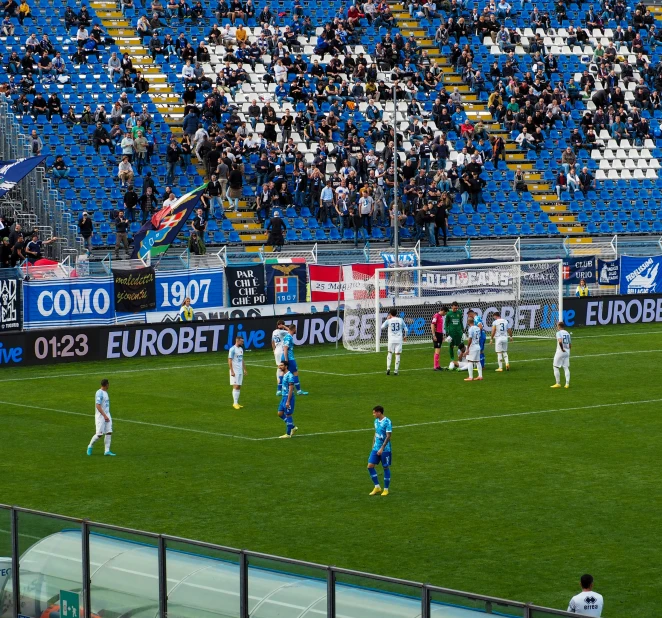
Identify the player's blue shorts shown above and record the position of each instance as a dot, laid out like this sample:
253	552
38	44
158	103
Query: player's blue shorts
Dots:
282	406
384	458
292	366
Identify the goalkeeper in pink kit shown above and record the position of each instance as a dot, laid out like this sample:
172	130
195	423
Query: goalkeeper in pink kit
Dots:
437	328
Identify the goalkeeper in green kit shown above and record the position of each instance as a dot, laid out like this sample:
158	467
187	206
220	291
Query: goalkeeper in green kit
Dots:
453	324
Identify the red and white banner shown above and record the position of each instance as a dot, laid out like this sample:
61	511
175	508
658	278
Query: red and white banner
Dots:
348	282
325	282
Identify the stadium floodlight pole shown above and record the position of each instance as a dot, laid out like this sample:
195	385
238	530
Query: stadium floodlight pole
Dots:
396	160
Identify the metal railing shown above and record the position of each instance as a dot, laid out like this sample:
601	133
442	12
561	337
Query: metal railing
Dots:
51	553
34	199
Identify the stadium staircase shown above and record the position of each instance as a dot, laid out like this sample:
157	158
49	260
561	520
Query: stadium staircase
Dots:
562	221
166	96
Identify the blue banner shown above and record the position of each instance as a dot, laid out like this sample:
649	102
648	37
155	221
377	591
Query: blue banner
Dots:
286	283
577	268
203	287
609	272
12	172
68	302
640	275
407	259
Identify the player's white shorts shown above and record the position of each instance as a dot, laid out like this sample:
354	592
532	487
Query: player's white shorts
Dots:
278	355
395	348
103	427
474	354
237	378
501	344
562	359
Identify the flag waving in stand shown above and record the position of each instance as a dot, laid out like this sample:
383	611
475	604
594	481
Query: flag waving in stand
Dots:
158	233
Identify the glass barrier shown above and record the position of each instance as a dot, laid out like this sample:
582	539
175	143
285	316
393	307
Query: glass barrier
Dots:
444	604
124	574
277	589
5	562
366	597
50	563
202	582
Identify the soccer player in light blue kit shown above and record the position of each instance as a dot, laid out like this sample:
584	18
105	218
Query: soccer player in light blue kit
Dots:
478	321
103	421
288	400
288	357
381	451
277	346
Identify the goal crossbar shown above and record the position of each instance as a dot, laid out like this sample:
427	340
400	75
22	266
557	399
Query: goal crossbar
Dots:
533	286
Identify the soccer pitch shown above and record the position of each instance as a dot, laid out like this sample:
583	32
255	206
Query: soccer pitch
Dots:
503	487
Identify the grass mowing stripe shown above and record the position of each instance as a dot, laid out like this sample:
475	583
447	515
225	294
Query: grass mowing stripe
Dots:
301	357
343	431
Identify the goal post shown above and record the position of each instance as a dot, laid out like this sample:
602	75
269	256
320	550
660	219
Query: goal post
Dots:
528	294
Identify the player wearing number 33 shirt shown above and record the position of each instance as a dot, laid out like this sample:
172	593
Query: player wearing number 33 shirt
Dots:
397	333
562	356
500	335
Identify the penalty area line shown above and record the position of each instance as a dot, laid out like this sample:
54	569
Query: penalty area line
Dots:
490	363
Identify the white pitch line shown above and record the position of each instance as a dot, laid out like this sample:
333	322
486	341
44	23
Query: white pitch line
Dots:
223	363
27	536
516	362
475	418
127	420
343	431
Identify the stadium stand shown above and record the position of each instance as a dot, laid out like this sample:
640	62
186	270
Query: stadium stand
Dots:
538	120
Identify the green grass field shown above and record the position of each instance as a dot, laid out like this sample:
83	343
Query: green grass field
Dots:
504	487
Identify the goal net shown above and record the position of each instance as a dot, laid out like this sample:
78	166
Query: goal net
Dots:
527	294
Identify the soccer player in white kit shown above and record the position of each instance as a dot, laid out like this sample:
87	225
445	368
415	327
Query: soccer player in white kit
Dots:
562	356
277	347
237	370
473	356
397	333
102	420
500	336
587	602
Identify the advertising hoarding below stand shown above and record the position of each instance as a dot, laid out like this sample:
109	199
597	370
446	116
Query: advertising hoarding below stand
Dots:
624	309
209	336
234	313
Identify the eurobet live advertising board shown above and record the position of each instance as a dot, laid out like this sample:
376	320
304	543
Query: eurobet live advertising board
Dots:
209	336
